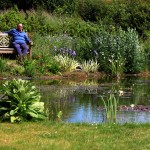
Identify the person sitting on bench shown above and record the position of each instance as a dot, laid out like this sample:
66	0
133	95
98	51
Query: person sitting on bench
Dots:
20	41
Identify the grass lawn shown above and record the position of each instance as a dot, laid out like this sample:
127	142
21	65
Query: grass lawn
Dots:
66	136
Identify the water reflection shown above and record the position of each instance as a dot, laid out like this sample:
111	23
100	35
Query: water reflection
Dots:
82	103
137	117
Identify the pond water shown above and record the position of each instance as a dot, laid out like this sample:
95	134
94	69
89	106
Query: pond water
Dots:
81	102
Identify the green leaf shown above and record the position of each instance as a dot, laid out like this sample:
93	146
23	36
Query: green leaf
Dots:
15	119
13	112
23	100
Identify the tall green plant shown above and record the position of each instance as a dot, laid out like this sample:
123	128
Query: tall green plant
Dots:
2	64
110	105
21	101
147	53
117	67
29	67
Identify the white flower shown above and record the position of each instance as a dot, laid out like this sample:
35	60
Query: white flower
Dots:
132	105
120	93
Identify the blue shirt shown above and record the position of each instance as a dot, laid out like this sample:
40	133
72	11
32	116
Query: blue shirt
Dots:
18	37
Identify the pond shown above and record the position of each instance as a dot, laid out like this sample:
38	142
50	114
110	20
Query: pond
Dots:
81	101
71	101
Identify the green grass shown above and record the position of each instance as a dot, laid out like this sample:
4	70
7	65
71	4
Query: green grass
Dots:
66	136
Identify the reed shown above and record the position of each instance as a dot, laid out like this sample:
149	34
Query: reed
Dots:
110	105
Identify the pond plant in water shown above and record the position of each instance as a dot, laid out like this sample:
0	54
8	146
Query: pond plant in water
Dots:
20	102
110	105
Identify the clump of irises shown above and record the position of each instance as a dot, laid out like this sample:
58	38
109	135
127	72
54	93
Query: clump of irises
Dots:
65	52
66	58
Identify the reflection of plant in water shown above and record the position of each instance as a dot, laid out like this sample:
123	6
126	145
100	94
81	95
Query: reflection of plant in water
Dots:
56	106
89	82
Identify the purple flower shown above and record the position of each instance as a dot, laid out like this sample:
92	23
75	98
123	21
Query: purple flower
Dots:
62	51
95	53
69	51
73	54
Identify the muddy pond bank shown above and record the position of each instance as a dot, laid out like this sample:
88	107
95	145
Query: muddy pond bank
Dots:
75	75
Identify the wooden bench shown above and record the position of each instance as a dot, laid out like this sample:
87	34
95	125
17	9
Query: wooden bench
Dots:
6	46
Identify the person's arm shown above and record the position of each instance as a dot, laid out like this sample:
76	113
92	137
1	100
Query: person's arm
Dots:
28	40
10	32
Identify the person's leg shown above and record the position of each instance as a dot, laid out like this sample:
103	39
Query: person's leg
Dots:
24	48
18	48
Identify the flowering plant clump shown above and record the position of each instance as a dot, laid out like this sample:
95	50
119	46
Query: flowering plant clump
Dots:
117	65
65	52
90	66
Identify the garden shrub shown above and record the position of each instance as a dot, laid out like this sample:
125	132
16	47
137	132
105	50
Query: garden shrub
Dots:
10	19
119	45
92	10
42	46
134	57
76	27
147	54
42	23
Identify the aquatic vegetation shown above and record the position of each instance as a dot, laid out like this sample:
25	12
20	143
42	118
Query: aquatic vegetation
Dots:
110	105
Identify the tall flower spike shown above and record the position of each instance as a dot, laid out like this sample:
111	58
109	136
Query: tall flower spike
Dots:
73	54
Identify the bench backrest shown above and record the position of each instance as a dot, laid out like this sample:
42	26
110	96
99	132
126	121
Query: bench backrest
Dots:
5	40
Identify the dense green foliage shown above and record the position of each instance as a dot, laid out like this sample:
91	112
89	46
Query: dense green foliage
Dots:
117	30
21	101
134	14
118	46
